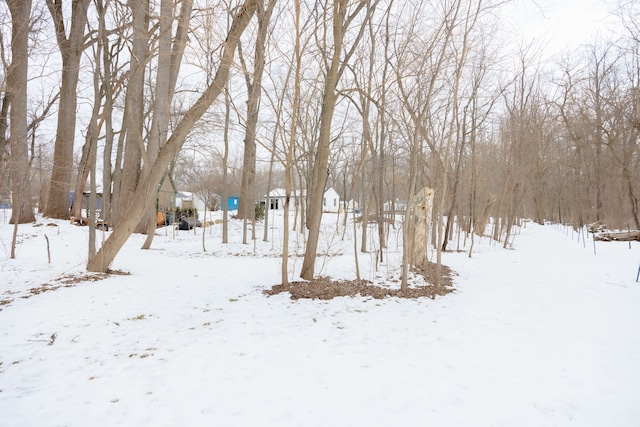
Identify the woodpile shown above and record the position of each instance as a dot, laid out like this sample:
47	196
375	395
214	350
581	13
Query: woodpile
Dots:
617	236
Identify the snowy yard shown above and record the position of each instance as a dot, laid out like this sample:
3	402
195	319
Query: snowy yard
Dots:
543	334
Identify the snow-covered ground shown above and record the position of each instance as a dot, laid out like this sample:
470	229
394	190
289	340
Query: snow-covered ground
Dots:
543	334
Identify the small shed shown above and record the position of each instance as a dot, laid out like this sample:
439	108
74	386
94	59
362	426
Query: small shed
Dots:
331	201
232	203
166	194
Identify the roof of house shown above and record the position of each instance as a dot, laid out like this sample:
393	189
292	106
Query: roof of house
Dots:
166	175
277	192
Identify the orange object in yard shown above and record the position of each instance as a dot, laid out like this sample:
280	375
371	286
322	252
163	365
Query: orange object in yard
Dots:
161	219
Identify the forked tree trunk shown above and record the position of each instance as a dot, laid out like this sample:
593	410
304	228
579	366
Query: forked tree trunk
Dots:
71	49
169	60
246	209
159	112
321	168
107	112
340	22
148	183
134	111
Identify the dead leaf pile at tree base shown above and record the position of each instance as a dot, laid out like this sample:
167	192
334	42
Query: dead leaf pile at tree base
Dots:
325	288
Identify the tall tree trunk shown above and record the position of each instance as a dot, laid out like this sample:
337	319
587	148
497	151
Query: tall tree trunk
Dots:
71	49
246	208
169	60
92	139
17	89
456	179
225	167
272	160
288	163
382	138
340	22
107	112
134	109
469	22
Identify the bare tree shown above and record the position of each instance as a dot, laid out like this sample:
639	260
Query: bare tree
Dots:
170	54
17	91
71	47
341	18
131	134
288	162
225	167
521	138
422	76
149	180
253	81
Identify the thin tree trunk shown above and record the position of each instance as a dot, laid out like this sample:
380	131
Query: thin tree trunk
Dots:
85	164
265	236
225	167
117	173
107	112
407	229
288	164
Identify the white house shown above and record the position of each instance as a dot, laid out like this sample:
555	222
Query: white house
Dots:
185	199
398	205
276	199
331	201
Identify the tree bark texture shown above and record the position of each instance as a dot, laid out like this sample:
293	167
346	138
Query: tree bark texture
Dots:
321	160
421	217
246	205
17	88
169	60
134	110
71	49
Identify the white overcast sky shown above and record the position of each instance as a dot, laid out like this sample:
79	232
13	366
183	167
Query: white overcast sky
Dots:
563	24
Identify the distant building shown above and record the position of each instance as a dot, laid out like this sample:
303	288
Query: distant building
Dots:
398	205
276	199
188	200
232	203
331	201
166	200
351	205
